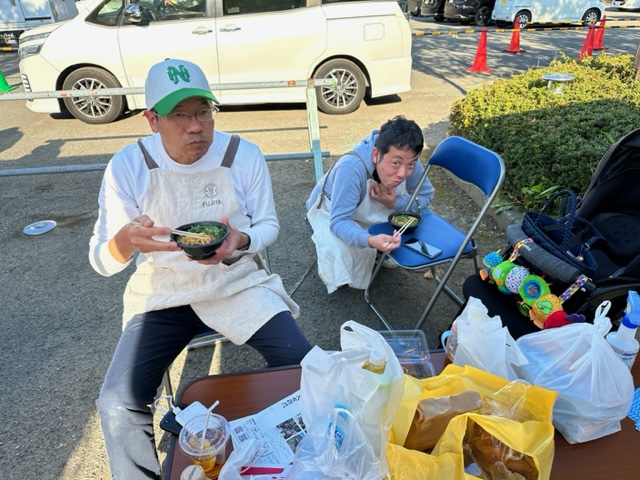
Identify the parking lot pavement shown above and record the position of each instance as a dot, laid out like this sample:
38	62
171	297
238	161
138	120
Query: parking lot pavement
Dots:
60	321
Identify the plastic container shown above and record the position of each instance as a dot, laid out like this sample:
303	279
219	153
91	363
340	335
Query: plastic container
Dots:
623	341
211	453
376	362
410	347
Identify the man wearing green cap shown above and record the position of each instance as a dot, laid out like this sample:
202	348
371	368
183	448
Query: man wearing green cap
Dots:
186	172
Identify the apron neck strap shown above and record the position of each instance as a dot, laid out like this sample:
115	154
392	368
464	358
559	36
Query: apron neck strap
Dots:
151	163
324	182
227	160
230	154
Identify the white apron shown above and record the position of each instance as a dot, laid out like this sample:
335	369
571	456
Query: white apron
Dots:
340	263
235	300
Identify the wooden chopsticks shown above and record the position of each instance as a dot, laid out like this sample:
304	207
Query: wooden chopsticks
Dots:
401	231
179	232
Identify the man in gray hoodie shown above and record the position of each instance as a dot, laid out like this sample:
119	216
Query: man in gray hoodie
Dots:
367	184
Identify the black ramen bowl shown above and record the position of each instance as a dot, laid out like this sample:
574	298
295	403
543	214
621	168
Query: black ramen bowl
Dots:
398	219
199	251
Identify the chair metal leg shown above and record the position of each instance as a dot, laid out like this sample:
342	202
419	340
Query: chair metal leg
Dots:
367	299
167	383
215	339
442	285
447	289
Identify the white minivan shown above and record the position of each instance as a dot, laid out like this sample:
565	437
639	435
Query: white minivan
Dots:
364	45
546	11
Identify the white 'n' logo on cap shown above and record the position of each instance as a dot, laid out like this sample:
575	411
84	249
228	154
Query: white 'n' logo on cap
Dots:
180	72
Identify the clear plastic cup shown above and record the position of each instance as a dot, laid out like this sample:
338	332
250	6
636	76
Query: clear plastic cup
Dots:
212	456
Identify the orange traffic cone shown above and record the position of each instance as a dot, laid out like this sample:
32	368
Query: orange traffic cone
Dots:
597	42
514	46
4	86
587	46
480	62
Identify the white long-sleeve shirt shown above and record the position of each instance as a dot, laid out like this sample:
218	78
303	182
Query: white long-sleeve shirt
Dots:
126	183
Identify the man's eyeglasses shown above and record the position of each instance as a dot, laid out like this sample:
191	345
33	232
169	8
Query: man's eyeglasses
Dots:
182	118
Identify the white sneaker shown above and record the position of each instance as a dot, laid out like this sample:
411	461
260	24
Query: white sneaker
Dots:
389	263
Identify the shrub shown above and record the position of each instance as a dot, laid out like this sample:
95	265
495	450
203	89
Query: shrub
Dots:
550	140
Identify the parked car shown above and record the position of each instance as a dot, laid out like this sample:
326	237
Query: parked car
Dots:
364	46
16	16
545	11
433	8
467	11
403	5
413	7
623	5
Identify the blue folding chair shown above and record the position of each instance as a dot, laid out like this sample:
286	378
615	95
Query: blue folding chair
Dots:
475	165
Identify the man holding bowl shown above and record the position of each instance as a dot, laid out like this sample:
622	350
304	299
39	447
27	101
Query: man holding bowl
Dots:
185	172
363	188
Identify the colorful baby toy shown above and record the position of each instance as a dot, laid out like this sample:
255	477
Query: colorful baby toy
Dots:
538	303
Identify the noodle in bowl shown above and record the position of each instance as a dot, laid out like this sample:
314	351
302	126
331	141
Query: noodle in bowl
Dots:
398	219
197	248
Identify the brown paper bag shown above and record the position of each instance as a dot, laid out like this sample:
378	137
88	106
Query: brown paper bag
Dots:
432	417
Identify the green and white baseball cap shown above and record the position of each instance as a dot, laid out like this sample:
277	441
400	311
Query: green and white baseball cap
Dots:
172	81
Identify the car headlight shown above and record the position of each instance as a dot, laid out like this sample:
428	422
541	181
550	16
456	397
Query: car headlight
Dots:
29	38
28	50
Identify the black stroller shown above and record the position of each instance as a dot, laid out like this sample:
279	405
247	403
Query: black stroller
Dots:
612	205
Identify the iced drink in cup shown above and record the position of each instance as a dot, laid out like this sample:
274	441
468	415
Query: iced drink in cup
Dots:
213	454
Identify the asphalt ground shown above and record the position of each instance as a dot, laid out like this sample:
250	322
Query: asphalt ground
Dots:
60	321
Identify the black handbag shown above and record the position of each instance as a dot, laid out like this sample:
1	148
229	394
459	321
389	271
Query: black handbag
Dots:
568	237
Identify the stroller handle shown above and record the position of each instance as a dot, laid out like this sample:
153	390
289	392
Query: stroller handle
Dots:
538	256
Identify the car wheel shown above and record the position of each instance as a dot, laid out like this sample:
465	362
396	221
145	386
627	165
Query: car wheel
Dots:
483	16
590	17
349	89
523	17
501	23
96	109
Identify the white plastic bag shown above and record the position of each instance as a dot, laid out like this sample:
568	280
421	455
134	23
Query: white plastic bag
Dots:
595	388
334	388
335	448
484	343
243	455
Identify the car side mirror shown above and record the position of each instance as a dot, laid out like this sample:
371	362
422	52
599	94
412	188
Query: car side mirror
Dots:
132	14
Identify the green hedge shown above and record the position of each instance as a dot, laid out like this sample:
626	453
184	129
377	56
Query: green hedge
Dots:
551	140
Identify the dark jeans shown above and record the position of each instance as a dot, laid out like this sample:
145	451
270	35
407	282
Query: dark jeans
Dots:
149	344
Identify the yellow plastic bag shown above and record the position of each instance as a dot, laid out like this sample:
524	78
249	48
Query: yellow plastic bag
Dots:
516	418
412	391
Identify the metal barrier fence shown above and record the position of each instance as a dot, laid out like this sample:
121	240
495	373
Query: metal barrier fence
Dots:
312	120
530	28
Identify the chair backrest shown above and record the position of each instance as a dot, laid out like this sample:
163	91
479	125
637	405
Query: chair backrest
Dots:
470	162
